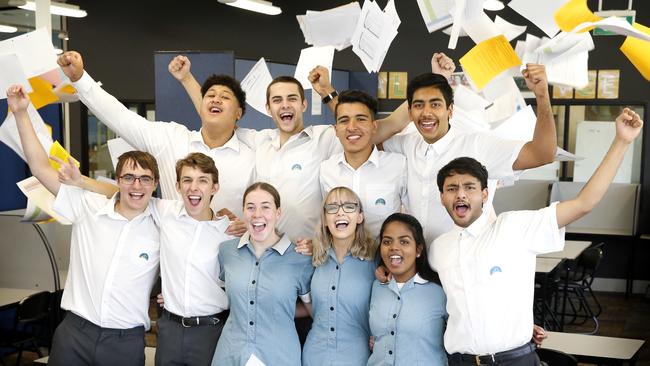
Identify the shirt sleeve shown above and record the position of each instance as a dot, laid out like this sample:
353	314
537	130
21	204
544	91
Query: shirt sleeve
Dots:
497	154
69	203
222	273
135	129
537	230
304	291
395	144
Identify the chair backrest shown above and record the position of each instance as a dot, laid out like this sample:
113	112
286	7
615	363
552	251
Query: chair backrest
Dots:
589	261
34	307
556	358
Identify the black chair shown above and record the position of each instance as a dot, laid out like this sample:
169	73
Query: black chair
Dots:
30	324
579	284
546	294
556	358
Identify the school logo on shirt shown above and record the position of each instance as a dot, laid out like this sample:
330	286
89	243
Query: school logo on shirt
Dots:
144	256
380	202
296	167
494	270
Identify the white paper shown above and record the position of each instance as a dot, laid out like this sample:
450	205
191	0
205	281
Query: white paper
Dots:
469	100
464	121
372	36
563	155
317	26
41	197
565	44
310	58
505	96
511	31
436	13
520	126
117	147
34	50
33	214
12	74
9	132
255	84
316	104
391	11
614	24
254	361
540	13
480	27
459	9
572	70
461	33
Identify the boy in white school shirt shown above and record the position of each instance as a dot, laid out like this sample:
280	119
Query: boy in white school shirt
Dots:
223	103
377	177
114	255
487	267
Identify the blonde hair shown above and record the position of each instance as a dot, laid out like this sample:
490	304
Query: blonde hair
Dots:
363	247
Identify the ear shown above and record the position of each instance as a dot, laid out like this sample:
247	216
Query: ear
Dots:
239	113
450	111
178	187
278	213
374	126
304	103
215	188
361	218
268	109
484	194
418	250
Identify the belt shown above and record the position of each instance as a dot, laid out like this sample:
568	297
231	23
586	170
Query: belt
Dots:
496	358
195	321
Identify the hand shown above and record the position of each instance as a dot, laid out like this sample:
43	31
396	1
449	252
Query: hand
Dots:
371	343
160	300
539	335
304	246
68	172
236	227
17	99
536	81
628	126
382	274
179	67
319	77
72	65
442	64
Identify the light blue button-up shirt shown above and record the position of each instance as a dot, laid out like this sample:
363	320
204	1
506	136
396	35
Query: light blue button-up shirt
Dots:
262	294
408	324
341	300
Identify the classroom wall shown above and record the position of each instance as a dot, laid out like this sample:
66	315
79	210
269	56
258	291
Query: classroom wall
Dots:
118	49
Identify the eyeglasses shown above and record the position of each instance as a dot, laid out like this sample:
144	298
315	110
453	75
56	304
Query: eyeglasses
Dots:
349	207
129	179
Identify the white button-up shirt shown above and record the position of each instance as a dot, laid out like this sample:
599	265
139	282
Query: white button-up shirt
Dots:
113	261
380	183
168	142
425	160
189	266
488	271
293	170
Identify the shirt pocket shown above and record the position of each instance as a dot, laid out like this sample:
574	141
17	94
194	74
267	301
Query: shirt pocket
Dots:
144	253
379	198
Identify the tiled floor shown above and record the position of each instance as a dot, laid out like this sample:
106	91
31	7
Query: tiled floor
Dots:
628	318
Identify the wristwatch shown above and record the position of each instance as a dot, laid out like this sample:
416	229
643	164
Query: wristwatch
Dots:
328	98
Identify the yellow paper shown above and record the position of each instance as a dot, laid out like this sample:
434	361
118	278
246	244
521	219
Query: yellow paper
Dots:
488	59
637	51
574	13
61	153
42	93
68	89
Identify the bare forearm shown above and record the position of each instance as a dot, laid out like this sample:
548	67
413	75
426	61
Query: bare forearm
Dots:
96	186
35	154
545	136
392	124
193	89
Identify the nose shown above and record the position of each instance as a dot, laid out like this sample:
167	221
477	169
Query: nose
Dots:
193	185
352	125
461	193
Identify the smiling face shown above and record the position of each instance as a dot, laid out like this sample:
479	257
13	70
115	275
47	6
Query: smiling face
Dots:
430	113
260	216
343	223
134	197
220	106
399	250
286	106
355	127
197	188
463	198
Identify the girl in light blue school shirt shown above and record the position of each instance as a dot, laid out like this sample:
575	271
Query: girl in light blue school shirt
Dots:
344	257
407	314
264	277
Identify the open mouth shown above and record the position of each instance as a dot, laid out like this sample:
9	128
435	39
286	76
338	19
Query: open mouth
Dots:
215	110
194	200
353	137
428	125
258	227
461	208
341	224
136	196
286	116
396	260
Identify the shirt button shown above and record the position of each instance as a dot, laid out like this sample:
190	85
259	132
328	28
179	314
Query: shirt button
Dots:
333	287
399	298
332	329
390	352
392	332
252	302
331	308
394	316
257	263
337	267
251	322
253	282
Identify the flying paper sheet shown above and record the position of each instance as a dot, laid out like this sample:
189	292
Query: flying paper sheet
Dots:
480	28
488	59
42	93
511	31
637	51
436	13
255	84
117	147
467	99
34	50
310	58
391	11
60	152
34	215
565	44
318	30
573	13
468	15
570	70
373	35
616	25
12	74
469	121
41	197
520	126
9	132
563	155
539	13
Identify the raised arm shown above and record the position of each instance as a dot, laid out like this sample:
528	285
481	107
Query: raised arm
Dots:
69	174
35	154
628	127
541	150
179	67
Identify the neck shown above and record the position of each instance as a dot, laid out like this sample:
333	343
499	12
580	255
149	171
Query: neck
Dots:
262	246
285	136
405	276
341	247
126	212
216	136
357	159
435	139
205	215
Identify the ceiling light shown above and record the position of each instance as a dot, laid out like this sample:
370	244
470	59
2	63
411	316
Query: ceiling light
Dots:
493	5
260	6
62	9
8	29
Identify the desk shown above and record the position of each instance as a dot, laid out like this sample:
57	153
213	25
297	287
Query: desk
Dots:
10	296
595	349
546	265
572	249
149	357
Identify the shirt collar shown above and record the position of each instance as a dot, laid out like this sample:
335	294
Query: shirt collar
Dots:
275	136
281	246
221	223
109	209
419	280
440	146
477	226
373	158
232	143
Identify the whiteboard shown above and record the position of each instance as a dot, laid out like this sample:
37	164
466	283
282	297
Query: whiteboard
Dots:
593	139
